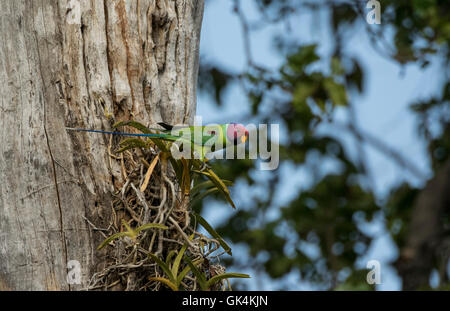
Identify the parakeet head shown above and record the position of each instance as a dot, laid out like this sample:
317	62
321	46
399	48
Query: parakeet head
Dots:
237	133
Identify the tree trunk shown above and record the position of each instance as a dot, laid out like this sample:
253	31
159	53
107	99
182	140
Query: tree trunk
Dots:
88	68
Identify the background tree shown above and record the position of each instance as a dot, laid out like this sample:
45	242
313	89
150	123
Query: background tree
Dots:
83	64
303	96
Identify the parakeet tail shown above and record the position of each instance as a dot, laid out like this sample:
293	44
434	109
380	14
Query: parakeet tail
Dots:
118	133
166	126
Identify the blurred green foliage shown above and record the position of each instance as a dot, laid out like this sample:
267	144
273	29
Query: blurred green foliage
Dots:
326	216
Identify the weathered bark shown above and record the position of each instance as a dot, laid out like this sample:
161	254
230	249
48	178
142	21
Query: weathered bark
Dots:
428	242
130	59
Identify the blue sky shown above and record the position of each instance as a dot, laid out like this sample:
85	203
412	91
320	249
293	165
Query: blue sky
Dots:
380	111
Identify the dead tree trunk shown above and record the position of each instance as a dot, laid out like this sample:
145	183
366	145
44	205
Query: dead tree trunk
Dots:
84	64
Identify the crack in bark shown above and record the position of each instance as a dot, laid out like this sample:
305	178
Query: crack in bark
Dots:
55	178
84	56
108	57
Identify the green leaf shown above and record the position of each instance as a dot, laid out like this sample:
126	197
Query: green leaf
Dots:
302	92
213	233
131	143
186	271
305	56
169	257
220	277
130	232
163	266
202	195
136	125
207	184
177	261
221	186
336	91
170	284
336	66
112	238
218	183
201	279
183	274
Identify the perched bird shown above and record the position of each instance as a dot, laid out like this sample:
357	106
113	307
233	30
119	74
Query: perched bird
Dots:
203	139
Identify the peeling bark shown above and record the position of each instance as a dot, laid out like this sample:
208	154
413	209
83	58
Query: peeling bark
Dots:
127	59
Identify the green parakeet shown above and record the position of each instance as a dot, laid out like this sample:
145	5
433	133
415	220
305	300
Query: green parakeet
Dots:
203	139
